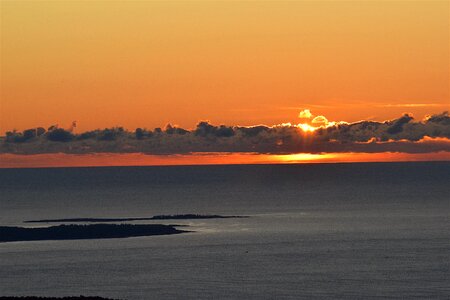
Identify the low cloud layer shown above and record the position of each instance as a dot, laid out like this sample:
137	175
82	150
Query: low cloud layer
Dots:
403	134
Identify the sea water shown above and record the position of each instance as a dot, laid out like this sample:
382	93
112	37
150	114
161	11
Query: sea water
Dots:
348	231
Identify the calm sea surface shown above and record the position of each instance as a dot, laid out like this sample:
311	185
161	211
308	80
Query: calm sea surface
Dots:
315	231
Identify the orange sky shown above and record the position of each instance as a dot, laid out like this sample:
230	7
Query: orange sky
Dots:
146	63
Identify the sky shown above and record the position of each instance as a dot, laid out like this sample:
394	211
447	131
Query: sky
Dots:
149	63
239	81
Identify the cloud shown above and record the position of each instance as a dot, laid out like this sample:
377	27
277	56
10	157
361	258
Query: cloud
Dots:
403	134
409	105
305	114
320	120
397	125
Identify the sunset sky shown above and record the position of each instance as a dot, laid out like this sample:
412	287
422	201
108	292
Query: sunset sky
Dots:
147	63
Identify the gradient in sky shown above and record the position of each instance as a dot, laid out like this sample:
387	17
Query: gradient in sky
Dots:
147	63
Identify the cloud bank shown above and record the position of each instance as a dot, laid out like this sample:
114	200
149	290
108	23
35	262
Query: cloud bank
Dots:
403	134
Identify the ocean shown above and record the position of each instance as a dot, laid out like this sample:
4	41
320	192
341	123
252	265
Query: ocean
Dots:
314	231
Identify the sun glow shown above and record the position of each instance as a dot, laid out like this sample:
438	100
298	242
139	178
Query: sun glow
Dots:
140	159
306	127
303	157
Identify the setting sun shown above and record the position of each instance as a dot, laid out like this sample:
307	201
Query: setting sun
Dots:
306	127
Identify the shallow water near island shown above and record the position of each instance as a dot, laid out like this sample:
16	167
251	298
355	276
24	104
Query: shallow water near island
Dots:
315	231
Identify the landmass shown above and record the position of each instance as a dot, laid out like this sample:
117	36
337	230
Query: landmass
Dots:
74	232
55	298
193	216
157	217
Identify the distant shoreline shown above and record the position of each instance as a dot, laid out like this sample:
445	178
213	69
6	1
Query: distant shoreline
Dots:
157	217
75	232
54	298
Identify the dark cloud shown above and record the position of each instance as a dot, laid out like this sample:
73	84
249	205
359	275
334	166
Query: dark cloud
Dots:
399	135
59	135
175	130
204	129
253	131
442	119
397	125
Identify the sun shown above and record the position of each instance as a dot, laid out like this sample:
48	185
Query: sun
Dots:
306	127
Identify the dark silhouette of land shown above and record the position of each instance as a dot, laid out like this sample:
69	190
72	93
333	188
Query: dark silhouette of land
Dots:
74	232
55	298
193	216
158	217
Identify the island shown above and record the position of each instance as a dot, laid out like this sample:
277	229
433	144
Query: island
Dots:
54	298
157	217
75	232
